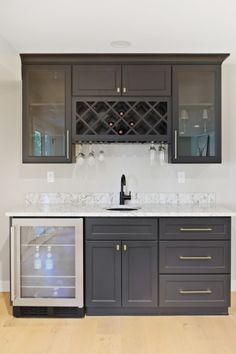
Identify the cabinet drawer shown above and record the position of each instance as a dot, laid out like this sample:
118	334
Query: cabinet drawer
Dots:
195	228
194	256
195	290
121	229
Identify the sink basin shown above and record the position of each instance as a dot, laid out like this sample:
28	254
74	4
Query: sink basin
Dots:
123	208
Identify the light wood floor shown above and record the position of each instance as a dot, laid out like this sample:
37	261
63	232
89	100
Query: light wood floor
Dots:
115	335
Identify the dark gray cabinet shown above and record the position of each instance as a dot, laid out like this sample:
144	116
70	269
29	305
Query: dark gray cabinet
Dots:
194	265
195	228
194	257
170	98
195	291
146	80
139	274
97	80
103	273
117	80
196	114
47	113
121	273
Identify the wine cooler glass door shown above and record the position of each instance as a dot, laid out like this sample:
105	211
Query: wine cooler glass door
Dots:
47	259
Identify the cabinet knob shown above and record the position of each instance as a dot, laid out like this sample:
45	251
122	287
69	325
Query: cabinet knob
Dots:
124	89
125	248
118	89
117	247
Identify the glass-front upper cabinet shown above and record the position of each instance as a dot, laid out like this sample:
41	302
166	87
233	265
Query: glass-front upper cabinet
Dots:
196	114
46	113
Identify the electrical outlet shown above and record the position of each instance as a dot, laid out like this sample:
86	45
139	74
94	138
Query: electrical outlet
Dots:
181	177
50	177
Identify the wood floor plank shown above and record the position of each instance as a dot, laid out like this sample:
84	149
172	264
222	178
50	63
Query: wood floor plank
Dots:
118	335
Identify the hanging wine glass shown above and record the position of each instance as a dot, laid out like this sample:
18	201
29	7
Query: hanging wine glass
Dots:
80	158
152	153
101	156
161	150
91	156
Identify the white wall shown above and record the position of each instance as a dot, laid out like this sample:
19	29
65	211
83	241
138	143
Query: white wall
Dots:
17	179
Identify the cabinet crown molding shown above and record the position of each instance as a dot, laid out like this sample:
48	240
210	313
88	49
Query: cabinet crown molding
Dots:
141	58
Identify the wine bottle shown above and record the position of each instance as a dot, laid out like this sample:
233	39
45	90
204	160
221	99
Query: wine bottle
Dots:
110	124
37	259
131	123
49	260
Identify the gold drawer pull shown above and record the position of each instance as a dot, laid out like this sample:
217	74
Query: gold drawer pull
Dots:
125	248
196	229
198	258
193	292
117	247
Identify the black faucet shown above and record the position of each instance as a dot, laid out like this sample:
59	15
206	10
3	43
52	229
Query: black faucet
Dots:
123	196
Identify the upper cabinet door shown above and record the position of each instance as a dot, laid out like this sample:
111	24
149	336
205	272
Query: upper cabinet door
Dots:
96	80
146	80
196	133
46	113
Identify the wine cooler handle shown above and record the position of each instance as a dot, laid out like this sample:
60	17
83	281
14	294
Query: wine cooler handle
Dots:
13	263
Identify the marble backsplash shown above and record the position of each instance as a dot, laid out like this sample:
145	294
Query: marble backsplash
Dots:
113	198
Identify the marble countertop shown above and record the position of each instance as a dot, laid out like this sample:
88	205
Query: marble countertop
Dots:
147	210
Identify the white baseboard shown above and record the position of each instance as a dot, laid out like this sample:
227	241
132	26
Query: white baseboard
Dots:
233	285
4	286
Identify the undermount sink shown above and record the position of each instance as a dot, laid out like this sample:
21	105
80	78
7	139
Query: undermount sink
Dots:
123	208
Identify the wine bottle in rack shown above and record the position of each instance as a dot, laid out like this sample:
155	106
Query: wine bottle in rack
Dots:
131	123
122	130
110	123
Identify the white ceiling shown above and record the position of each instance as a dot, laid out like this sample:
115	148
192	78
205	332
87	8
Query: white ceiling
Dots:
162	26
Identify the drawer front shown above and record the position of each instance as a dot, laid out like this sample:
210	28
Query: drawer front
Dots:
121	228
194	256
195	290
195	228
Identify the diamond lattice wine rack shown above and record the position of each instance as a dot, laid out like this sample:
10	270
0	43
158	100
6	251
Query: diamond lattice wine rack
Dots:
126	120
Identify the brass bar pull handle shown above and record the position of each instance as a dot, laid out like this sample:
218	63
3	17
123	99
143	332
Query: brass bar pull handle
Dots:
124	90
196	229
125	248
117	247
193	292
118	89
67	144
176	145
198	258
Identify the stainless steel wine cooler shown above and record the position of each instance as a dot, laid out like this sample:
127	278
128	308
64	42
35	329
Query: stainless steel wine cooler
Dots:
47	267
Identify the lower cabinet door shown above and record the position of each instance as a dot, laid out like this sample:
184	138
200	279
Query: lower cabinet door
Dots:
103	273
139	274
